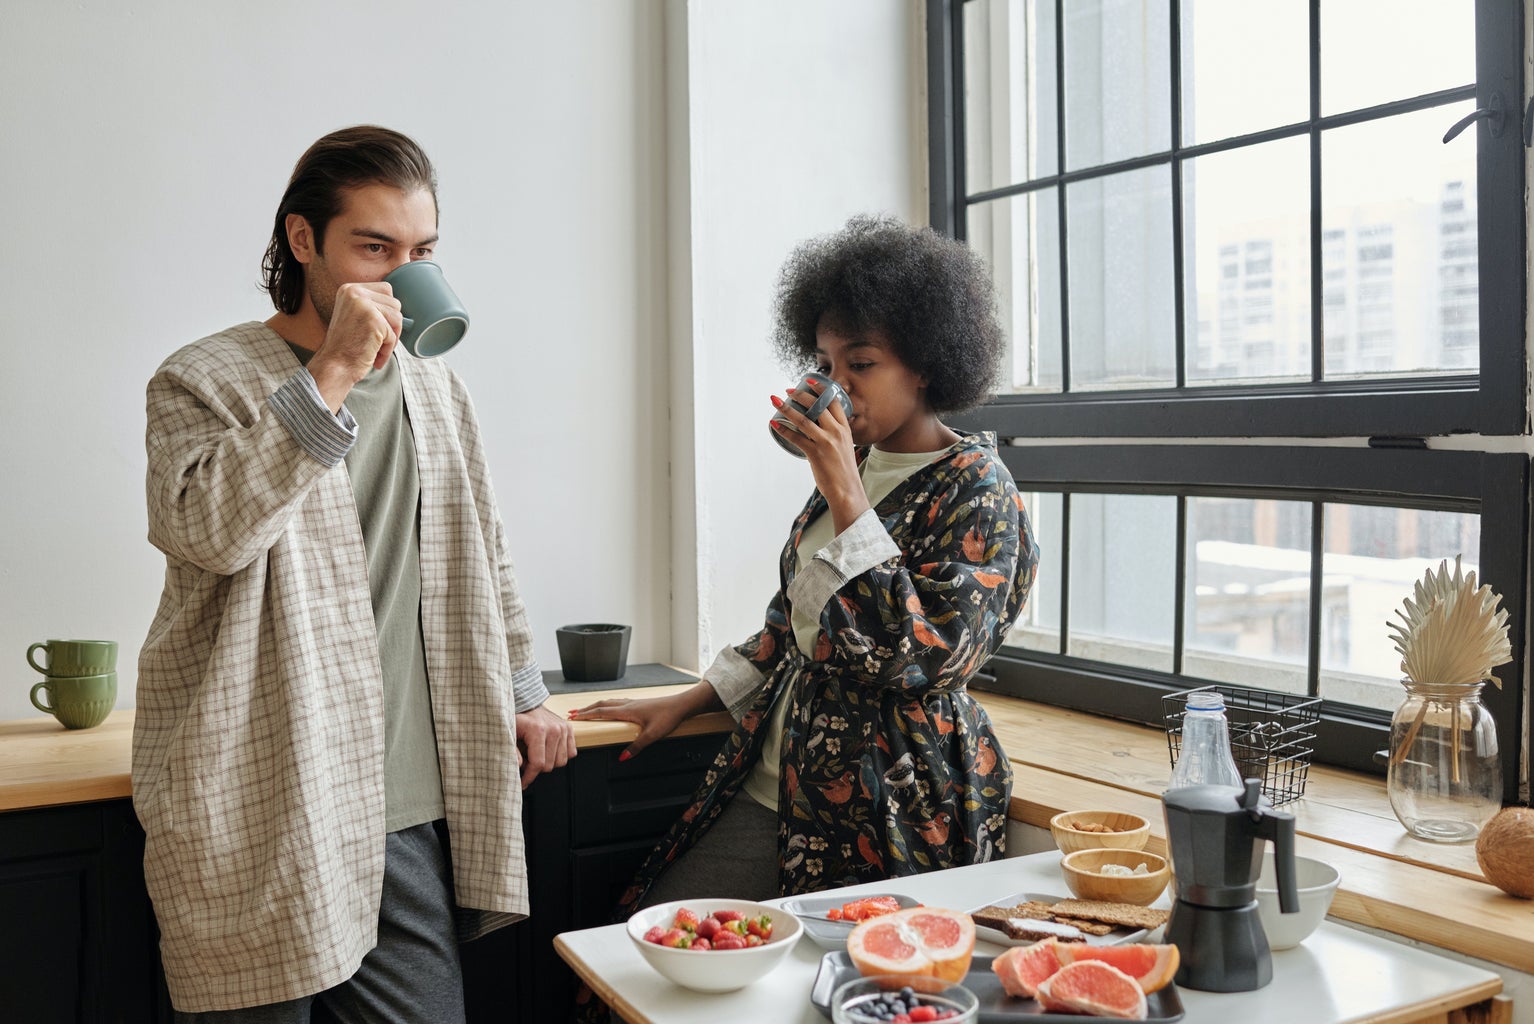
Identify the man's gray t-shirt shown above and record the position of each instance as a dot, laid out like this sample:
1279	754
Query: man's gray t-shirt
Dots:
387	488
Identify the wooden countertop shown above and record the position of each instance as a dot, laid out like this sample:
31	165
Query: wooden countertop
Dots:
1062	760
43	764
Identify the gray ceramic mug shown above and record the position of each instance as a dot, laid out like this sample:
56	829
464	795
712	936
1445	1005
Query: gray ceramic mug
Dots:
435	319
831	392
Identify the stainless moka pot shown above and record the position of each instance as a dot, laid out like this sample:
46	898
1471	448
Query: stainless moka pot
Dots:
1216	836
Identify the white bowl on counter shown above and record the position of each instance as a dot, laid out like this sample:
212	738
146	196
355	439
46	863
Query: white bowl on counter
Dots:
1316	882
714	970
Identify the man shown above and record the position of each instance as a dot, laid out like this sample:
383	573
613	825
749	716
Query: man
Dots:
334	690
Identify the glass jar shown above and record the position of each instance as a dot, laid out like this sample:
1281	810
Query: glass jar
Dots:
1445	776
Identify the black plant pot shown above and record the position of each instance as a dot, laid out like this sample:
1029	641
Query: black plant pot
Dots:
593	652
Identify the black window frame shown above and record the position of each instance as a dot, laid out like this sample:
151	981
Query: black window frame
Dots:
1493	485
1490	402
1396	469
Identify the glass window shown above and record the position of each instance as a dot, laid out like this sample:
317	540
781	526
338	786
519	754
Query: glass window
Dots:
1122	574
1038	626
1373	557
1248	592
1281	253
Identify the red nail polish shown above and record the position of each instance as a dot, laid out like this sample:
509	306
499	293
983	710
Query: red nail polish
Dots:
776	401
625	756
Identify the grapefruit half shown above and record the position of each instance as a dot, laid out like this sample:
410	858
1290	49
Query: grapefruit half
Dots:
919	940
1093	987
1151	966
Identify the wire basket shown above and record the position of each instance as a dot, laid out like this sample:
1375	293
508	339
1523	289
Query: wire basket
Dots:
1272	735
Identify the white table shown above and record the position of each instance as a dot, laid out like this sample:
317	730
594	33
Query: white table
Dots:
1338	976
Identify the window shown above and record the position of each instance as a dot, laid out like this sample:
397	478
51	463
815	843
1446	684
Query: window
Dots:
1197	238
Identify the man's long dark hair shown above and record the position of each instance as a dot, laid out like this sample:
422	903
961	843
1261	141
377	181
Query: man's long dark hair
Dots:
342	160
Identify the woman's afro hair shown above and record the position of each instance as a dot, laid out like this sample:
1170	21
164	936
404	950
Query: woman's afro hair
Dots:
930	297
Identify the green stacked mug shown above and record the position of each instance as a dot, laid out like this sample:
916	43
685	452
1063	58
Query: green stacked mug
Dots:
79	680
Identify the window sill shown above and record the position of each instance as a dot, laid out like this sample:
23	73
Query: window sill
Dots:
1067	760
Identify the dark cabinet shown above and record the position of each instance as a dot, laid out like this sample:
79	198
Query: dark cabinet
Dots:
588	829
78	943
77	936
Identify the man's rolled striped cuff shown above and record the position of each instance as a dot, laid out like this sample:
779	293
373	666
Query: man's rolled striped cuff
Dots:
527	689
326	436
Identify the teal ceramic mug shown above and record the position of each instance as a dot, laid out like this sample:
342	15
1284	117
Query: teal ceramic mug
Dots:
78	702
435	320
74	657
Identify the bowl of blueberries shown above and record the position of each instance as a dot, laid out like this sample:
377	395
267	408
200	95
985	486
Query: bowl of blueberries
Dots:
902	998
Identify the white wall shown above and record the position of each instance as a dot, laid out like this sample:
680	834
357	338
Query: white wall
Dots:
145	148
600	162
800	114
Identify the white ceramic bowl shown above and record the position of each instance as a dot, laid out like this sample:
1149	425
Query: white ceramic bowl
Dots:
1316	881
714	970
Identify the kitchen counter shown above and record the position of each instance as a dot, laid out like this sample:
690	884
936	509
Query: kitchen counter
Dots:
42	764
1062	760
1338	976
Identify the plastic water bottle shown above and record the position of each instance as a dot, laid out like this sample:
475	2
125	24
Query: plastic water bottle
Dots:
1205	758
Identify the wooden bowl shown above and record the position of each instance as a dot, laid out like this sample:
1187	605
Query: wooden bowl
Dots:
1130	831
1083	873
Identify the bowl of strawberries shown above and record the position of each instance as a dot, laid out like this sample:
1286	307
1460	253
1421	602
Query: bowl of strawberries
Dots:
714	945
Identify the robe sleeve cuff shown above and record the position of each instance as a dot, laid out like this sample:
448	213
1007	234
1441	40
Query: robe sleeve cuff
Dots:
735	680
858	548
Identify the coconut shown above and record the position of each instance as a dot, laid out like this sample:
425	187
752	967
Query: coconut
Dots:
1505	851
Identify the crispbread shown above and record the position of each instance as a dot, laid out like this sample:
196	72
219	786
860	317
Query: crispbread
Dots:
1031	923
1090	927
1125	915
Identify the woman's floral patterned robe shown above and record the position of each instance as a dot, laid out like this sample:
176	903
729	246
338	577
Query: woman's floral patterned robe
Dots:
889	766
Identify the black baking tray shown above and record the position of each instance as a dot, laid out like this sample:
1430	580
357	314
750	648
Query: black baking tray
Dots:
996	1007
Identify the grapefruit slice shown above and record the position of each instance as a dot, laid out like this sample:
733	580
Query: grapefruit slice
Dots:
919	940
1093	987
1022	968
1152	967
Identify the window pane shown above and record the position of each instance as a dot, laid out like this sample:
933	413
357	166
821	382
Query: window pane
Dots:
1229	86
1248	592
1372	559
1038	627
1398	247
1375	51
1247	266
1020	238
1010	99
1118	80
1123	570
1119	231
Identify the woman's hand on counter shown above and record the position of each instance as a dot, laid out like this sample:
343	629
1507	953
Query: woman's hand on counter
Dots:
657	717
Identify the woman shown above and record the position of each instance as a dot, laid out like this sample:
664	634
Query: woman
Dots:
859	754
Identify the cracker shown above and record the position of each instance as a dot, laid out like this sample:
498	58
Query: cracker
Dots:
1090	927
1124	915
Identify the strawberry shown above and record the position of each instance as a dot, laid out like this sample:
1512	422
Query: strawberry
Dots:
726	916
654	934
708	927
701	943
753	940
736	926
922	1014
760	926
685	919
729	940
676	937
